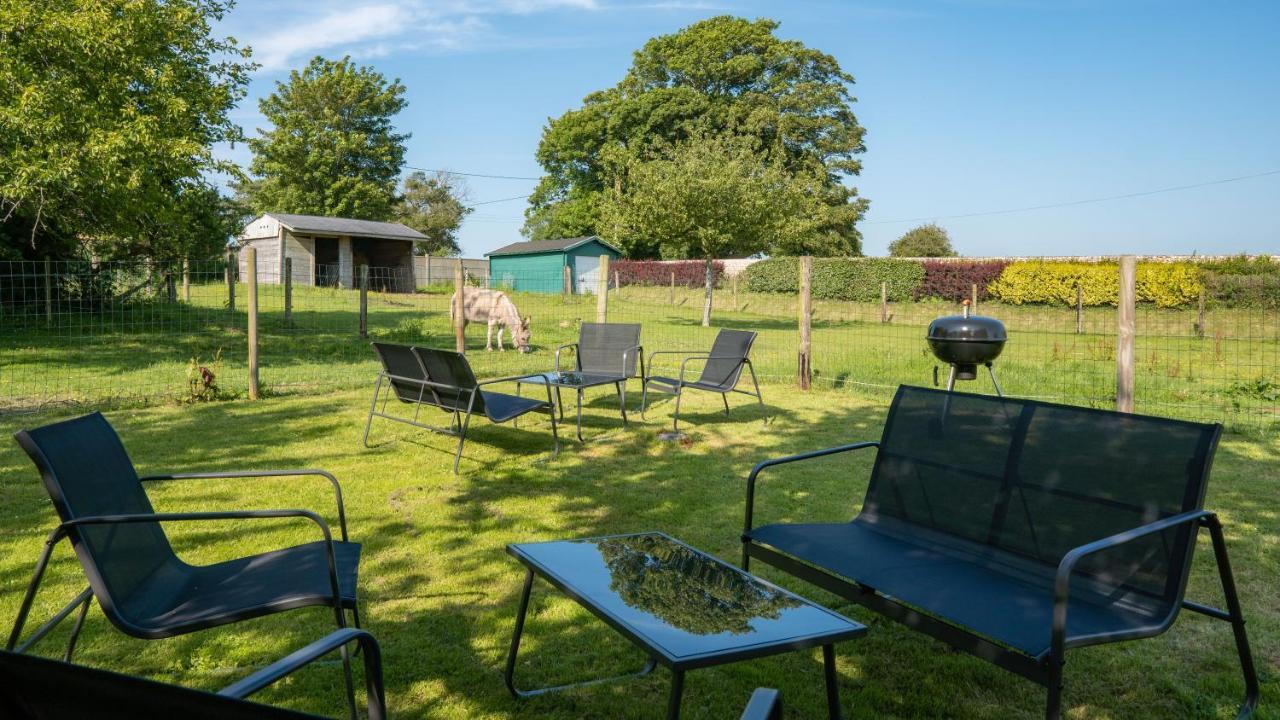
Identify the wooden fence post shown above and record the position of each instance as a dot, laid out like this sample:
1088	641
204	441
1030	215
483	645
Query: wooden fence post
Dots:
48	291
288	291
251	262
231	280
459	306
364	301
170	287
186	280
804	370
884	302
568	281
602	291
673	288
1200	315
1125	334
734	280
1079	309
617	284
427	270
973	298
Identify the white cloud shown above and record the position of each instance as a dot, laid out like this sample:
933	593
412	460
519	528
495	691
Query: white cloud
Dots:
382	28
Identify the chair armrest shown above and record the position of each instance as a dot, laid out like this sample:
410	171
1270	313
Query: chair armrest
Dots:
377	703
60	531
512	378
1062	581
772	462
562	347
740	358
656	353
245	474
765	704
638	351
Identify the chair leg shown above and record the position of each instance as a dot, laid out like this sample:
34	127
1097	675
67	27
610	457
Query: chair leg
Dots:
75	629
644	396
1236	618
764	412
725	398
675	415
1053	709
555	435
560	403
373	407
579	414
622	400
462	437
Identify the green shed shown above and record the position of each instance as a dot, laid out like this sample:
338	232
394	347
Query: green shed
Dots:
538	266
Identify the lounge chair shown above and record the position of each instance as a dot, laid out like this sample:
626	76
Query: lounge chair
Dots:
424	377
34	688
721	369
142	585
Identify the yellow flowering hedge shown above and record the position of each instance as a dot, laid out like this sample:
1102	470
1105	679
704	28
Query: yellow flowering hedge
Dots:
1166	285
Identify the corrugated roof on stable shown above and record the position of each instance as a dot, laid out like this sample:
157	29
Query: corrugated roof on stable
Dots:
347	226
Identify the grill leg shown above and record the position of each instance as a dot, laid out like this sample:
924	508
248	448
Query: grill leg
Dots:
951	379
994	381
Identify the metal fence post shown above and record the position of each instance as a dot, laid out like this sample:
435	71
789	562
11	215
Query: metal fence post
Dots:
251	261
364	301
804	370
288	291
231	280
459	308
1125	334
48	291
602	291
1079	309
186	280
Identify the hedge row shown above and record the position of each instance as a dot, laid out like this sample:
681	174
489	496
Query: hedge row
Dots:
1232	283
689	273
855	279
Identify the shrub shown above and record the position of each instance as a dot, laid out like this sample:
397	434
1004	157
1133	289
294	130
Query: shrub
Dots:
855	279
1244	291
1054	283
1242	265
689	273
955	280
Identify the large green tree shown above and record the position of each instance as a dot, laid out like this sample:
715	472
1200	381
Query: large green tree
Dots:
109	110
928	240
434	206
332	149
723	76
711	197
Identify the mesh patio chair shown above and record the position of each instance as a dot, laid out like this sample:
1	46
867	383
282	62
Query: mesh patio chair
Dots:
34	688
721	370
140	583
424	377
605	354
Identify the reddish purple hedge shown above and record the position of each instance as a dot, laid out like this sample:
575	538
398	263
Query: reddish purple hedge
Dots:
954	280
689	273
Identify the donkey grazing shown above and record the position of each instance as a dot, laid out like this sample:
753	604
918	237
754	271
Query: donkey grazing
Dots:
493	307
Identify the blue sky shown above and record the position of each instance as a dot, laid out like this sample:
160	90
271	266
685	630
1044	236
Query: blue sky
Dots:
971	106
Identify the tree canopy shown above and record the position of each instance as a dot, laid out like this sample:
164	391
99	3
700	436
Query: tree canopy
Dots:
332	149
434	207
109	110
722	77
928	240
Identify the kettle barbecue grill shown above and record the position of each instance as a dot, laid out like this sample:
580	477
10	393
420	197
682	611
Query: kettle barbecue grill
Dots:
964	342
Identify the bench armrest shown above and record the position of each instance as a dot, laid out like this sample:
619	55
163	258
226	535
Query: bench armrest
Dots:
1062	581
377	703
244	474
755	471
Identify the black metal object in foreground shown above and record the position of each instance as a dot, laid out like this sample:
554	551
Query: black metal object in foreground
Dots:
1016	530
647	587
425	377
36	688
143	587
721	369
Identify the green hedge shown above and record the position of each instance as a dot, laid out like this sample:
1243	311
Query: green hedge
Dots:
1054	283
1255	291
855	279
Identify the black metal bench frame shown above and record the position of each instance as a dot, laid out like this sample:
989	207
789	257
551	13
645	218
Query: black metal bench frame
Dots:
1046	670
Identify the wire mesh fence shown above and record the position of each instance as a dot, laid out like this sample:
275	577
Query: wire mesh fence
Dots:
109	333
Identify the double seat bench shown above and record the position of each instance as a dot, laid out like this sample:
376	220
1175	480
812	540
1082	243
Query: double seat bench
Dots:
1016	529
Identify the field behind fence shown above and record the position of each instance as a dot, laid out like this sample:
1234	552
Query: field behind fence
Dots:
75	334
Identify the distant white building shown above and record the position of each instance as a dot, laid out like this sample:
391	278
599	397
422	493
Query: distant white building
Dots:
327	251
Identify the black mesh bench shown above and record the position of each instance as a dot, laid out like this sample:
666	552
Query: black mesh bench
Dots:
1016	530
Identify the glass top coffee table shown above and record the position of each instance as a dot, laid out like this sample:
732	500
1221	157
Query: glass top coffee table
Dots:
685	609
579	381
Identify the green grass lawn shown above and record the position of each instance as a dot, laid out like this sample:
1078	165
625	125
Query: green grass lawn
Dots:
440	592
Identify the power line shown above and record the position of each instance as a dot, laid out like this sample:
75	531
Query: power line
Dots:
499	200
1077	202
479	175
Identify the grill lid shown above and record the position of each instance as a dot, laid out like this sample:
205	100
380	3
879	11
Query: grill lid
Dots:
972	328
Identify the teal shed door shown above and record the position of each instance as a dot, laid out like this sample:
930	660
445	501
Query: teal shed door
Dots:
540	273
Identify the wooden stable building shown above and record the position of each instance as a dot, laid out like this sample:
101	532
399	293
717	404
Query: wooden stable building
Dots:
327	251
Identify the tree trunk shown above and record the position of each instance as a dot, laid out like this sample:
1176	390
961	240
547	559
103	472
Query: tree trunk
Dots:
709	279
